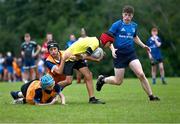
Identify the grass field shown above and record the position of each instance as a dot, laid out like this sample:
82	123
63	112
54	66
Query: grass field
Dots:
125	103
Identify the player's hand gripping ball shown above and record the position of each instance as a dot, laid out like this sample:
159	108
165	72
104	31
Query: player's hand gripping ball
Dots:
98	53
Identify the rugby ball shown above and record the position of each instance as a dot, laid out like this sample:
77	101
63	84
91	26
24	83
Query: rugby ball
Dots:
98	53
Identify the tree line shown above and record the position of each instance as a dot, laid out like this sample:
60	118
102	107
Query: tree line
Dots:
63	17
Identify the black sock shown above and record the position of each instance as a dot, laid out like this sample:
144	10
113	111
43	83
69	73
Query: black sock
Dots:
103	80
92	98
17	92
151	97
24	101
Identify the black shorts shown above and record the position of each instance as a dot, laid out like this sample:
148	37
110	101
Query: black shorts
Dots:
123	59
70	65
24	88
156	61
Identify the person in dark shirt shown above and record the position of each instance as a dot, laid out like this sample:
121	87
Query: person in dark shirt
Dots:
29	51
2	59
9	66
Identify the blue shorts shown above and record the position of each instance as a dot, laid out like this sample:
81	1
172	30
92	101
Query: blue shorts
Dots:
22	70
10	69
123	59
40	69
29	63
156	61
1	69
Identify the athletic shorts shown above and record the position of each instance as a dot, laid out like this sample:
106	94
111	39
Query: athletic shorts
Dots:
29	63
156	61
70	65
1	69
123	59
10	69
24	88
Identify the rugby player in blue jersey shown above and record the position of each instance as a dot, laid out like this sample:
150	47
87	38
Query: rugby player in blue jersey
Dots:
29	51
154	42
125	34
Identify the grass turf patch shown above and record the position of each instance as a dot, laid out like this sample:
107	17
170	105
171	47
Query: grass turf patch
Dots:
125	103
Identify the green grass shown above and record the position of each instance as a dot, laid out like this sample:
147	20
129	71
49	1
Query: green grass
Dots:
125	103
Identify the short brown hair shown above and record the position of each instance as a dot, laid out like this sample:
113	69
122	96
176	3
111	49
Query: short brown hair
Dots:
154	29
128	9
48	33
27	35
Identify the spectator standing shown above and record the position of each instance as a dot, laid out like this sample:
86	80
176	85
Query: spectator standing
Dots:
29	51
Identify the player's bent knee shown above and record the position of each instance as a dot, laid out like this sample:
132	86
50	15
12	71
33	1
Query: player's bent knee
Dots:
119	83
88	76
68	81
141	75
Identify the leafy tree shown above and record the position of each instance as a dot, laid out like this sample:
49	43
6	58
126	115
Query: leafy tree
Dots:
63	17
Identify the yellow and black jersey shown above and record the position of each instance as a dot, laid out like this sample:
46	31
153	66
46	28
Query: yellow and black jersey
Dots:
81	45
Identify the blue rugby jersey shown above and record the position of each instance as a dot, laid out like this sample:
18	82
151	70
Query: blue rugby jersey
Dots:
69	43
155	51
124	36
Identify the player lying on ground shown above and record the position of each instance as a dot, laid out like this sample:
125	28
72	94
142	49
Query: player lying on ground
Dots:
39	92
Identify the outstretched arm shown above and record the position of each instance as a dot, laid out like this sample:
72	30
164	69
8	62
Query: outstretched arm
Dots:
140	43
37	51
51	103
56	69
62	97
59	69
113	50
88	57
149	55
